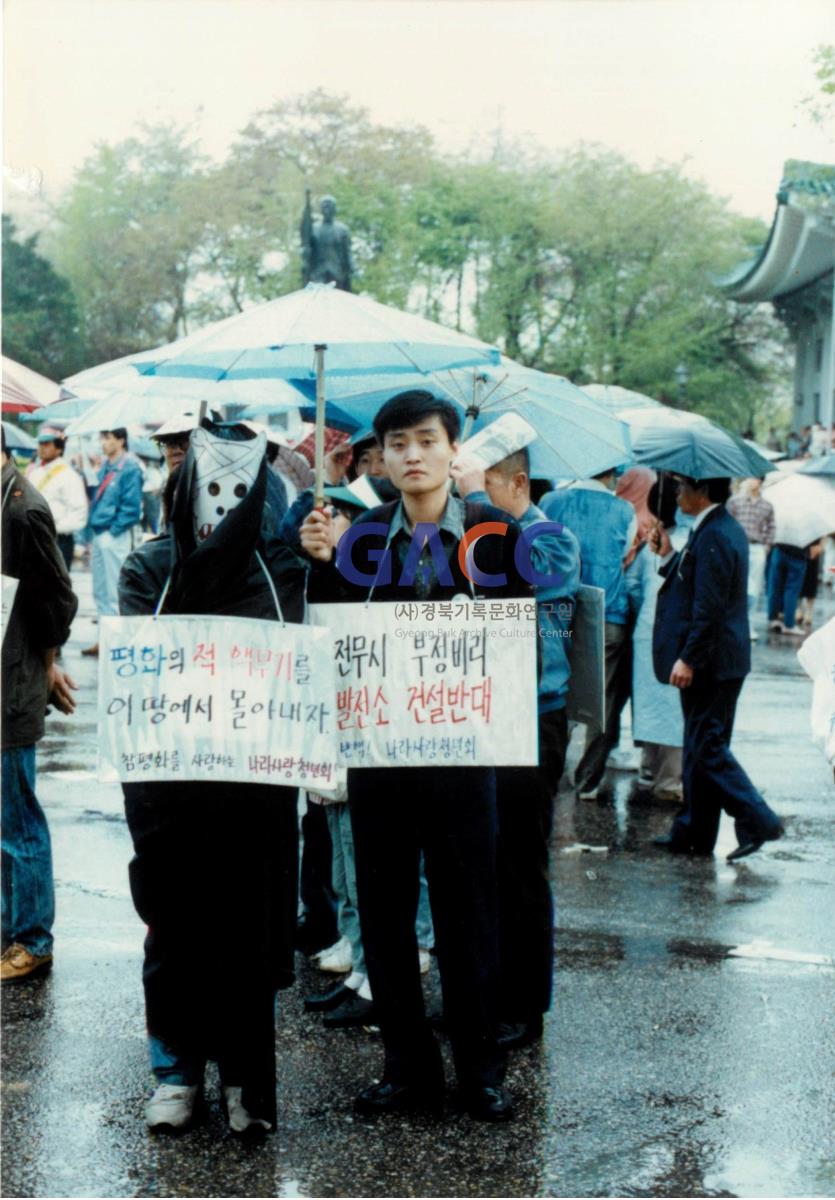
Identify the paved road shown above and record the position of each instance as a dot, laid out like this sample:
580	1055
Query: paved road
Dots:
691	1050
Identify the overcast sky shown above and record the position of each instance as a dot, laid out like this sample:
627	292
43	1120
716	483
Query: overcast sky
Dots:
716	81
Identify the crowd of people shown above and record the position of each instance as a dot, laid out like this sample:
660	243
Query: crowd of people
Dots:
406	863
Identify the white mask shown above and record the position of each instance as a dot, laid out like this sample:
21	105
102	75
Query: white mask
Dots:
224	472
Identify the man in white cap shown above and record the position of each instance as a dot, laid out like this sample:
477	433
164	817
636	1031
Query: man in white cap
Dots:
62	488
174	437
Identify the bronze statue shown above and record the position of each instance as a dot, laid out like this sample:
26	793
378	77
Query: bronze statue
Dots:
326	246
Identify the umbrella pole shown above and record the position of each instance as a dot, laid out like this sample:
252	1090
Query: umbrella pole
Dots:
473	410
204	404
319	436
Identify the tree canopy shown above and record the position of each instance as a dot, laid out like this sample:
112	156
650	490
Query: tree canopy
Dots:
580	262
40	317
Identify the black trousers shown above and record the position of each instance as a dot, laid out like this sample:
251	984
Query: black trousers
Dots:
214	878
66	544
449	814
600	742
524	798
316	891
712	778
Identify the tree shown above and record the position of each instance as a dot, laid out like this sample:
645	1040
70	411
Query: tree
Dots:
323	142
820	107
41	327
611	275
128	238
579	263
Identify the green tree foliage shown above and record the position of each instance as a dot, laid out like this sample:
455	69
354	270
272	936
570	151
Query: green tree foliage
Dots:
579	263
130	239
40	318
820	107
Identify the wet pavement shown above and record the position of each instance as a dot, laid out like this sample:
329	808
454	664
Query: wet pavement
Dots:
690	1050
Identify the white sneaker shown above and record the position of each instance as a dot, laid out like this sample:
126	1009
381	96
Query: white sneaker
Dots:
775	626
623	760
755	637
171	1106
425	960
588	794
239	1119
339	959
793	631
340	944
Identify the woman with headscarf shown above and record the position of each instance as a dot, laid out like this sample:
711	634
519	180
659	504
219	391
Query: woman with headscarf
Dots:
214	875
657	723
634	485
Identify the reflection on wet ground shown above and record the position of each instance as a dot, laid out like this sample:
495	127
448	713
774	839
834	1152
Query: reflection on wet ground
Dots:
690	1050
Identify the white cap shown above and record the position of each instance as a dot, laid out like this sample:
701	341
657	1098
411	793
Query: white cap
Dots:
182	423
278	439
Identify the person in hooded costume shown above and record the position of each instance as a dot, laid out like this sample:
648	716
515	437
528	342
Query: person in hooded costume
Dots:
214	874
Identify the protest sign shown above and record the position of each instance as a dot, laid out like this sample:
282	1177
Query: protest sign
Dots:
586	701
216	698
9	591
439	683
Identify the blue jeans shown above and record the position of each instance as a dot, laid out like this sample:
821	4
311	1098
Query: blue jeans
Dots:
423	925
344	880
28	890
785	581
109	553
168	1067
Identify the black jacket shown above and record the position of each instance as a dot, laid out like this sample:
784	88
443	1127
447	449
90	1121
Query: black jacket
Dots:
494	555
702	612
43	609
221	575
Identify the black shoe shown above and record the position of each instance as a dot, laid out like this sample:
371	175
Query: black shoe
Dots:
387	1097
752	845
324	1001
489	1104
352	1011
514	1034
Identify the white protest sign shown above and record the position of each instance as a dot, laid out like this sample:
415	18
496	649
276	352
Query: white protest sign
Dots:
216	698
441	683
9	591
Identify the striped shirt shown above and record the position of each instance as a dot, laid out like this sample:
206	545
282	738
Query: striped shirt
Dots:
755	515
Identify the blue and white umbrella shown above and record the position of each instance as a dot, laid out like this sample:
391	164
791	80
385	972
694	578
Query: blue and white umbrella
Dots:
687	443
576	436
824	465
18	439
617	398
318	333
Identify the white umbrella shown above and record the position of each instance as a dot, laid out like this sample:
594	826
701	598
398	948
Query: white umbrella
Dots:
119	409
24	390
301	335
615	398
804	509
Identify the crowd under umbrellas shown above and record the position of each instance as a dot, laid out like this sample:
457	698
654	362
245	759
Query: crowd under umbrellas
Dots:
345	360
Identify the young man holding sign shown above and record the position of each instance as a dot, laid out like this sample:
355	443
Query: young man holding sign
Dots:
414	553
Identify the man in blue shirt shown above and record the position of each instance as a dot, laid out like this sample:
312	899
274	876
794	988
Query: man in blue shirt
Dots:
605	526
524	795
115	509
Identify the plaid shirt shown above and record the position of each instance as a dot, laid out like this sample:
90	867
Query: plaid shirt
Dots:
755	515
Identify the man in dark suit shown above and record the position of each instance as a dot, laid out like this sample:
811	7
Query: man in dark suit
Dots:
701	645
449	814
